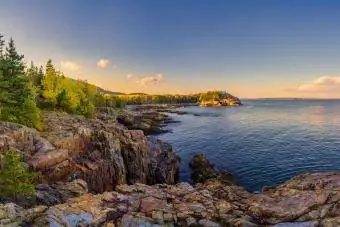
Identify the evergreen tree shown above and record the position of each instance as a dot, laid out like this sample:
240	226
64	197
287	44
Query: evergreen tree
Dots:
3	83
32	74
40	78
16	95
15	178
49	83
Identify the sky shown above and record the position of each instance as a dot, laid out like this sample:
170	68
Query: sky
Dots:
251	48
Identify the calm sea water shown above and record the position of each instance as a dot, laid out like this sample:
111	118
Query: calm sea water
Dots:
264	142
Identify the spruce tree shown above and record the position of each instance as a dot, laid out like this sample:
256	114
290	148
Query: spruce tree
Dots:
40	78
17	101
15	177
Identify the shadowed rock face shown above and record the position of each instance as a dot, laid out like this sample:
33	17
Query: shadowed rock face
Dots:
103	153
59	192
306	200
203	170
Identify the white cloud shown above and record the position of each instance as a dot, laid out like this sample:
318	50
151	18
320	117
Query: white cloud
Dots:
321	84
150	80
103	63
69	65
129	76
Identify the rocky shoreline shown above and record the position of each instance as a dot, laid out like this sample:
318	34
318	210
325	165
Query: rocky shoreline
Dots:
106	172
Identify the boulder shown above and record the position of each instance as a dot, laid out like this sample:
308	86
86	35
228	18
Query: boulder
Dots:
203	170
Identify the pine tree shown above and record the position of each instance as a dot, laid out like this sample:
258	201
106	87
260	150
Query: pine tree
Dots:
17	99
40	79
3	83
15	178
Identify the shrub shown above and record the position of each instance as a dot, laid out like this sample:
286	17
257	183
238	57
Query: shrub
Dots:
15	177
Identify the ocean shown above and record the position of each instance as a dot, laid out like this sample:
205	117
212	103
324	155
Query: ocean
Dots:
263	142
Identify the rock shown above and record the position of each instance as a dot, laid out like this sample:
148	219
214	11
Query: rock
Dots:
151	122
298	224
203	170
101	152
223	99
164	162
208	223
76	156
11	215
212	203
59	192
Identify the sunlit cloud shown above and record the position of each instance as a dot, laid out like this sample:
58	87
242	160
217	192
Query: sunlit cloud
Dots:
69	65
103	63
321	84
150	80
129	76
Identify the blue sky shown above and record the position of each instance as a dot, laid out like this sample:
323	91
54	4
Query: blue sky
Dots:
255	48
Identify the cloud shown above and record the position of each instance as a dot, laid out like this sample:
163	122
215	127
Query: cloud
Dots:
103	63
129	76
69	65
150	80
321	84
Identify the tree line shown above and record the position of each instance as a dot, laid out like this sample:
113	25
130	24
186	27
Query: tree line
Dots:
25	90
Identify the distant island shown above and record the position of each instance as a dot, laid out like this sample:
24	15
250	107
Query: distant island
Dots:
204	99
218	98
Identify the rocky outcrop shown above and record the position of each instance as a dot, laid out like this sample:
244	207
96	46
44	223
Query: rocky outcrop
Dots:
203	170
78	157
103	153
151	122
59	192
223	99
306	200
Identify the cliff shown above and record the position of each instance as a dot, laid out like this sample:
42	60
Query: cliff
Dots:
101	152
96	172
305	201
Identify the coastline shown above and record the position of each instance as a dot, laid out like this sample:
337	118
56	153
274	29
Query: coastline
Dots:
122	178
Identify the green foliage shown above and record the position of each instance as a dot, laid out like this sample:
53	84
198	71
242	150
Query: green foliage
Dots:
71	96
15	178
22	90
211	95
17	98
138	99
86	107
2	45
